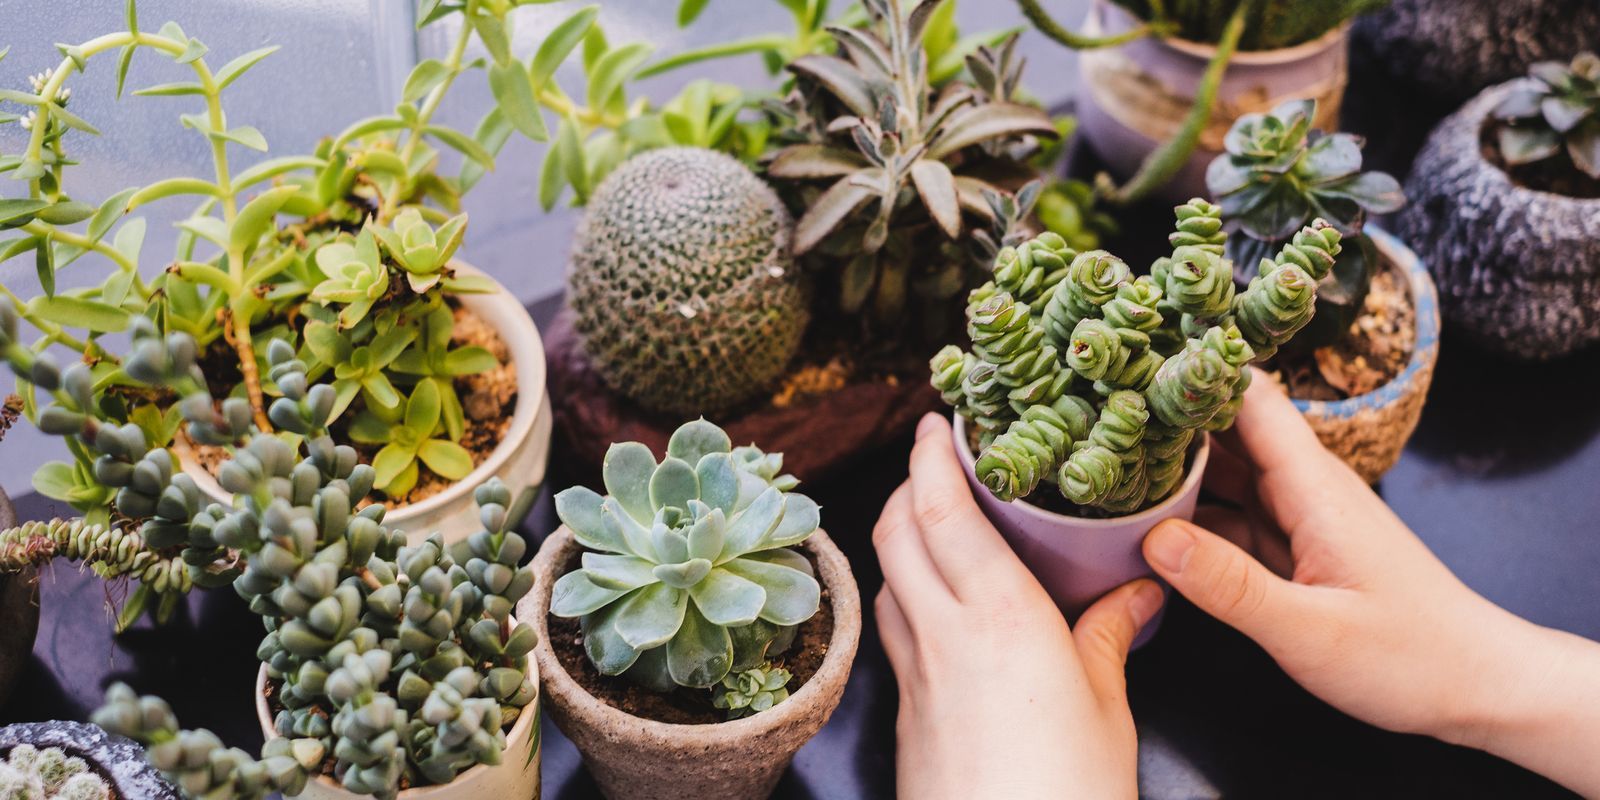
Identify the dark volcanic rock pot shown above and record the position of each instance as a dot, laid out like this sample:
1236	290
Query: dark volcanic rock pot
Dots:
19	613
1517	269
121	762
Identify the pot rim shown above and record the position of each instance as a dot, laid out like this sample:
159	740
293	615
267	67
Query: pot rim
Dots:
1490	98
836	577
1153	514
1203	51
1425	310
526	352
522	729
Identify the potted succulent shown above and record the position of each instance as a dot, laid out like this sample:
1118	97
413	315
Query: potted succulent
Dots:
1087	392
1164	81
1361	369
1506	210
696	626
75	761
347	253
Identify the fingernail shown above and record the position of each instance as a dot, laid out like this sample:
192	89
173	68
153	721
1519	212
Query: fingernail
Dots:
1170	544
1145	603
929	423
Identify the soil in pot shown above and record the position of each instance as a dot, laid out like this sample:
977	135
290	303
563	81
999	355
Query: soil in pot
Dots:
1372	352
488	401
685	706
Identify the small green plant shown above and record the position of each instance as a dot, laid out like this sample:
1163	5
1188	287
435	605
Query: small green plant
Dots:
691	577
1082	375
751	691
32	773
413	437
1279	174
1556	116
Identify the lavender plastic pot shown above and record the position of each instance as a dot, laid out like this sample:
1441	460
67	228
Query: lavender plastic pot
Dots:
1078	560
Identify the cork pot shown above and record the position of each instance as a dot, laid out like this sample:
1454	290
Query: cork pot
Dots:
519	459
1518	269
120	761
1368	431
632	758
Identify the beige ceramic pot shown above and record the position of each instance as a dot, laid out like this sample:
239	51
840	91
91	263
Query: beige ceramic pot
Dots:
519	460
641	759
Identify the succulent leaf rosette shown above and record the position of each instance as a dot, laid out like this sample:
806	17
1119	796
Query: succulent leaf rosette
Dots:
691	574
1555	115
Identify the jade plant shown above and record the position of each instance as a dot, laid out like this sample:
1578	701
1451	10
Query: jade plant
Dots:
1553	117
1082	375
48	773
1276	176
690	579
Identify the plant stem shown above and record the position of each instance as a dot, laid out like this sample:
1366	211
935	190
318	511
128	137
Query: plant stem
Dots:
1045	24
430	105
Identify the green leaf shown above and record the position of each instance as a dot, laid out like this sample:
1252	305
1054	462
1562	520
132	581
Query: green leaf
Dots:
513	89
77	312
812	161
936	185
839	201
67	212
233	69
754	44
673	484
124	61
422	408
594	46
626	470
20	212
109	212
461	143
570	151
245	135
11	248
840	78
367	127
389	463
72	120
193	51
605	648
616	66
272	168
469	360
689	11
427	74
171	90
54	480
701	653
973	125
130	239
574	595
552	174
728	599
446	458
169	188
493	132
559	44
42	266
24	98
492	32
651	616
256	217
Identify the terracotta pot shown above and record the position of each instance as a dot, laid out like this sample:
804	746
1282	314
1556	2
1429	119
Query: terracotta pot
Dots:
1078	559
120	762
1368	431
19	613
1136	95
519	459
1518	269
641	759
516	777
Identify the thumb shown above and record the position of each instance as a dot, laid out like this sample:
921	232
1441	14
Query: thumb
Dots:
1106	630
1225	582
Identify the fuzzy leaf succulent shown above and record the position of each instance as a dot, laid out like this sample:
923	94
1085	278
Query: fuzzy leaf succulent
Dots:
1276	176
49	773
1083	375
691	575
1554	115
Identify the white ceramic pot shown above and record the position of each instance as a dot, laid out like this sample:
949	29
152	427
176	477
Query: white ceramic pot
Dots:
519	460
516	777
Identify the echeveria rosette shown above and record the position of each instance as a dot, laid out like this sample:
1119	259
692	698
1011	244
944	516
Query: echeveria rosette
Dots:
356	277
751	691
1556	113
420	250
687	552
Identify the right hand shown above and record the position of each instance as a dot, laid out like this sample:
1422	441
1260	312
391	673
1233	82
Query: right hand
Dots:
1354	607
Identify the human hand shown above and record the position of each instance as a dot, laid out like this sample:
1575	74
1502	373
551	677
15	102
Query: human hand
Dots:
997	697
1364	616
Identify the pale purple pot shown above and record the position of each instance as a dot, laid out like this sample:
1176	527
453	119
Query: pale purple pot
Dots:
1076	559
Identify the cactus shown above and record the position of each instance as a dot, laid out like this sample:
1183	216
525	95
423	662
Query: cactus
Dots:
690	577
31	773
1099	382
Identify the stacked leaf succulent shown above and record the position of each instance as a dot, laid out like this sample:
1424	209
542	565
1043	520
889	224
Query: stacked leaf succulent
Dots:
1279	174
32	773
691	577
1554	115
1083	375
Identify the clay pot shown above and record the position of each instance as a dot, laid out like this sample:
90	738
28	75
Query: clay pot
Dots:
516	776
519	459
641	759
1368	431
120	762
1136	95
1077	559
1518	270
19	613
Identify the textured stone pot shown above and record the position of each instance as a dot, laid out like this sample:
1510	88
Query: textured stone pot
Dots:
1136	95
1077	559
519	459
1368	431
641	759
1517	269
121	762
19	613
516	777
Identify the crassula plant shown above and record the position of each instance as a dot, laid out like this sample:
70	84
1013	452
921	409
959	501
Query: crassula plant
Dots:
691	579
1276	176
1085	376
1554	117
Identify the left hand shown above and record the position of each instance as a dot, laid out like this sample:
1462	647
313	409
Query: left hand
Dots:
998	698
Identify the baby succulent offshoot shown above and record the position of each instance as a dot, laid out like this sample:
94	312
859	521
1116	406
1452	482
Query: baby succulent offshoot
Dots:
691	579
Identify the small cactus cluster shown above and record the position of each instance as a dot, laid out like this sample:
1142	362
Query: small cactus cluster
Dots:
1083	375
691	579
33	773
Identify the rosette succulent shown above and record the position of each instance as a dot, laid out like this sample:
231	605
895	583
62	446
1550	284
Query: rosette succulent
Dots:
1554	115
751	691
419	249
1082	375
691	576
1276	176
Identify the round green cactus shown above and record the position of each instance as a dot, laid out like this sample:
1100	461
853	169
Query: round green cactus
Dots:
32	773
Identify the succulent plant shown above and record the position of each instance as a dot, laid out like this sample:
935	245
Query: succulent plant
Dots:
682	284
419	249
690	577
751	691
33	773
410	439
1084	376
1279	174
1555	115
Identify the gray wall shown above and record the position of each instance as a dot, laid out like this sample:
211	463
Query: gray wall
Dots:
342	60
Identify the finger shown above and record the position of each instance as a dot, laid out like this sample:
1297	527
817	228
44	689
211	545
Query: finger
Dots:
1271	431
960	540
898	641
1106	631
907	569
1297	477
1251	534
1227	583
